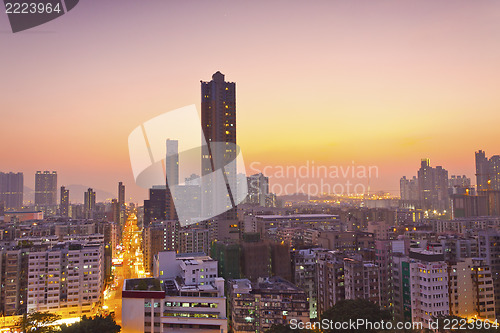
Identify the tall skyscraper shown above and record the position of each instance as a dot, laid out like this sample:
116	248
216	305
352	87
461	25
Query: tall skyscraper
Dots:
46	188
172	177
482	170
172	162
487	172
89	203
11	189
121	193
121	204
495	172
258	190
115	211
155	208
433	186
64	202
218	119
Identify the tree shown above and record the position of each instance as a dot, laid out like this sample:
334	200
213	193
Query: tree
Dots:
347	311
280	328
99	324
39	322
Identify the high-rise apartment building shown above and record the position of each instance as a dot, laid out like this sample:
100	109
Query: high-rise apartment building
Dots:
487	172
305	276
482	170
361	280
330	279
14	282
433	187
420	287
172	178
194	240
66	279
189	195
429	191
155	208
121	193
471	289
172	162
489	249
459	182
157	237
64	202
46	188
218	120
257	306
409	190
258	190
115	211
121	204
89	204
11	189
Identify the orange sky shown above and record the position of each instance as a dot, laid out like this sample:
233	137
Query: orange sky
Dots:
380	83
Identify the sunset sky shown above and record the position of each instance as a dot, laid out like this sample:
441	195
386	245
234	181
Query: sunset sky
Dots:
380	83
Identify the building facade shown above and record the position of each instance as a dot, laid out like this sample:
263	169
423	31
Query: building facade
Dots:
46	188
66	279
11	190
255	307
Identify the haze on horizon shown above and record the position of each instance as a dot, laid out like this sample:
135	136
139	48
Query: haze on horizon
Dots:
377	83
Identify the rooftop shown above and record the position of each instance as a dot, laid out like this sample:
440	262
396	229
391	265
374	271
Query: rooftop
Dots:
272	284
146	284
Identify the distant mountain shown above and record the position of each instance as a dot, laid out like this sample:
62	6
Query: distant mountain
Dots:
75	194
28	195
296	197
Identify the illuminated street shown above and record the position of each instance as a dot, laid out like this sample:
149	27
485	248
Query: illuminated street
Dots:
127	264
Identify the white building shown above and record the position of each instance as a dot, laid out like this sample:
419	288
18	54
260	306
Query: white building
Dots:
471	290
185	296
193	268
66	279
429	286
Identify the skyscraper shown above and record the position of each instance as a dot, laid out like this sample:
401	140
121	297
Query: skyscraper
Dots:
11	189
433	186
155	207
64	202
121	204
487	172
46	188
172	177
115	211
89	203
258	189
218	119
495	172
172	162
121	193
482	170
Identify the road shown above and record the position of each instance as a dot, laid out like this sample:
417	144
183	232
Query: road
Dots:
131	267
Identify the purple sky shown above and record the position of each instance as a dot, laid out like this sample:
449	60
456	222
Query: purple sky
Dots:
381	83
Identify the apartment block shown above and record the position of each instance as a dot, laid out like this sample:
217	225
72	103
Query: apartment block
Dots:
471	289
66	279
256	306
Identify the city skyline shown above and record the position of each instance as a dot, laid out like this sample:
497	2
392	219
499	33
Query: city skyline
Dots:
250	167
382	84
